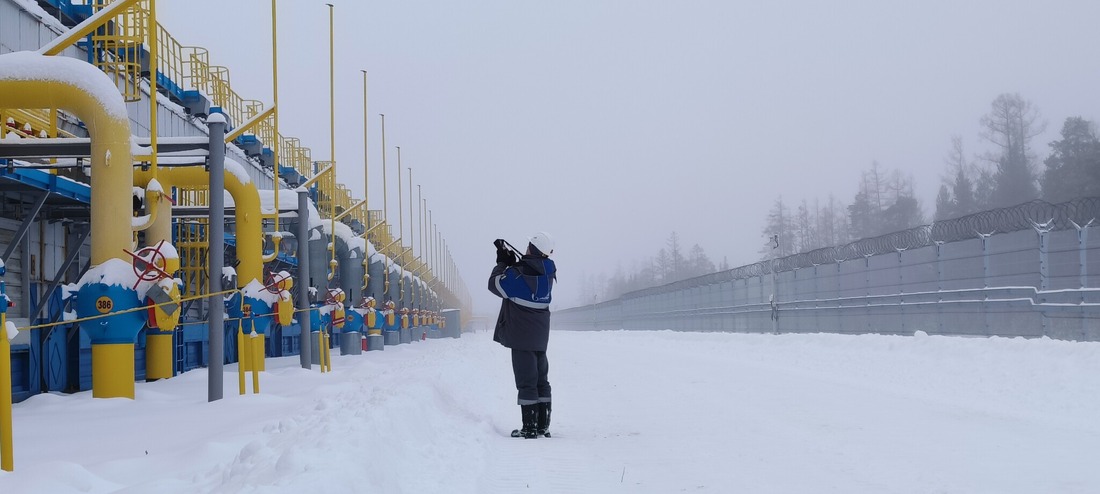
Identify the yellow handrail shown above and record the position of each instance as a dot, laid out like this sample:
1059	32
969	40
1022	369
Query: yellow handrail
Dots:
253	124
90	24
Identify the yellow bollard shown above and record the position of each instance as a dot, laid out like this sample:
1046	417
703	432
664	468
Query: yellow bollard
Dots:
327	355
241	350
255	365
7	463
321	349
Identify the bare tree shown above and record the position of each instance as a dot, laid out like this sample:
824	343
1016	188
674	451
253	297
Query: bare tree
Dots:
1010	125
779	235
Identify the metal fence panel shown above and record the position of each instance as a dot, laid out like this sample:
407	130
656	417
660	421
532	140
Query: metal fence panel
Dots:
1040	276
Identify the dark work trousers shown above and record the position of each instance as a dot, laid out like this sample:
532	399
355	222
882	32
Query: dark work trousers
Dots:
531	369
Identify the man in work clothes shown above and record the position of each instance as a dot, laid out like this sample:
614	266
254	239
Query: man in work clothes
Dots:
524	325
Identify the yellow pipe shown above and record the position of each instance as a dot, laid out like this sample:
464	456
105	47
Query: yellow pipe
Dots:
237	132
249	227
332	214
266	258
53	133
331	85
152	201
332	131
158	356
246	360
160	228
275	113
400	230
113	370
247	204
111	179
90	95
7	463
158	346
366	193
154	62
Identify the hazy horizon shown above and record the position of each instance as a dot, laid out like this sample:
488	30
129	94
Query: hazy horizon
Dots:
612	124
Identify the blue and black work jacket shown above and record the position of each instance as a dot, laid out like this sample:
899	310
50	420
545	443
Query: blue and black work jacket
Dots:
526	286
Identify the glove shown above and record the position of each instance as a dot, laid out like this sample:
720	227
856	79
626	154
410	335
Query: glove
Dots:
499	243
506	257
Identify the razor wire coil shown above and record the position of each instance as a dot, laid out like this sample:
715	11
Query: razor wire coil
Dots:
1036	214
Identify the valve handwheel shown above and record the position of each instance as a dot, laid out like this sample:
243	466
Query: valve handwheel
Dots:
274	282
149	264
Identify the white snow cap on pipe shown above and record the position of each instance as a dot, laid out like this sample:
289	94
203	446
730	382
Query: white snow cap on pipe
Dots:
238	170
30	66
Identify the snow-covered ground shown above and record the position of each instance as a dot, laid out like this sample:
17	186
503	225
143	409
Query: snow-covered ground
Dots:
633	412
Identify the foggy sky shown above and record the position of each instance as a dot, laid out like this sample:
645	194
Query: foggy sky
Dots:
610	124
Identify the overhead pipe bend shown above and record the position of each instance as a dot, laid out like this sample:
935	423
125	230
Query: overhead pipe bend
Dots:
247	206
30	80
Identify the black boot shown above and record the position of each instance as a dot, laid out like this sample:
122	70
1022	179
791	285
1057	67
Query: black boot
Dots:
542	426
530	422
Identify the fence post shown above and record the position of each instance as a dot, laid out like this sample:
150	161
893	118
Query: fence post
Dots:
1044	268
901	292
985	279
775	298
1082	249
867	293
817	300
939	285
836	304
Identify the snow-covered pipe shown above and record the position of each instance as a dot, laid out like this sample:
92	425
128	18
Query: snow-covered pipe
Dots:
246	200
153	205
31	80
159	343
247	206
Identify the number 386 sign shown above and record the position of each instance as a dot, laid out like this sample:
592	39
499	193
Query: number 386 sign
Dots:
104	304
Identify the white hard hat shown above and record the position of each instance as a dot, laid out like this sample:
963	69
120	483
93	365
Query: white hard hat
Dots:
543	242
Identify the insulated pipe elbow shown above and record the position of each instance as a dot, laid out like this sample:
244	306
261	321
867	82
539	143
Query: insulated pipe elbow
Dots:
152	205
246	202
275	250
30	80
